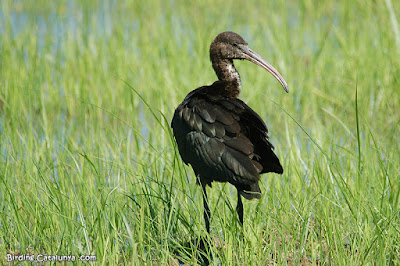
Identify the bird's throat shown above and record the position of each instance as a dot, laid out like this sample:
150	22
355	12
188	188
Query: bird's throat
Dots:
226	71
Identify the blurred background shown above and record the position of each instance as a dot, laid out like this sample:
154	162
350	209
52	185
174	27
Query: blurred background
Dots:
88	164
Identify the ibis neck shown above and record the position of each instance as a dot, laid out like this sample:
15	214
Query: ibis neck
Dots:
226	71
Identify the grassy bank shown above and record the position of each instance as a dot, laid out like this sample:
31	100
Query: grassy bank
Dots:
88	164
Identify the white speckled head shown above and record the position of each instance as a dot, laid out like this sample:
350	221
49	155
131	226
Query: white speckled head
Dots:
228	46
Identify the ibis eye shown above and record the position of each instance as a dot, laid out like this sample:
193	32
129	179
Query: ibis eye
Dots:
234	44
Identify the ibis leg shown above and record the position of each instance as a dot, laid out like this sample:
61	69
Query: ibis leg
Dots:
239	208
207	213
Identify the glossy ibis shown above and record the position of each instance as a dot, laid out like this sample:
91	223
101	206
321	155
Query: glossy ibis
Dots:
221	137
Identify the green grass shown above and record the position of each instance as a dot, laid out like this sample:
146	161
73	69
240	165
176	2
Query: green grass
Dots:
88	164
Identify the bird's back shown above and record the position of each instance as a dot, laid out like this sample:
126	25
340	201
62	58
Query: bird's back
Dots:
223	139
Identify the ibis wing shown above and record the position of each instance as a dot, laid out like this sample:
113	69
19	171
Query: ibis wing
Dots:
223	139
254	127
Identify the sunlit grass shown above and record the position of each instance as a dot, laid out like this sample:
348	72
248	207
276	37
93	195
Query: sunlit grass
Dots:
88	164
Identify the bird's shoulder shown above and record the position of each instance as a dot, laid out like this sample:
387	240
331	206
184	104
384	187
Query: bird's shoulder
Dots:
212	108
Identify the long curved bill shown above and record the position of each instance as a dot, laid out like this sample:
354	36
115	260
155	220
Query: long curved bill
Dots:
257	59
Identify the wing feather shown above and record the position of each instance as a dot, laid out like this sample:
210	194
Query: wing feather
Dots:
223	139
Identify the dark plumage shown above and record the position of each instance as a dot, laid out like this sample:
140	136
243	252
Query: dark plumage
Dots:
221	137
